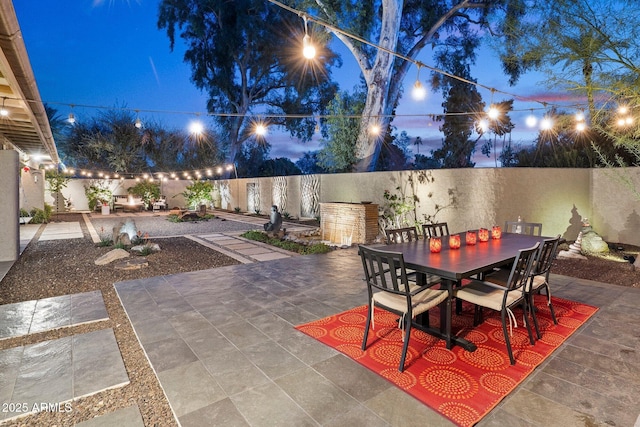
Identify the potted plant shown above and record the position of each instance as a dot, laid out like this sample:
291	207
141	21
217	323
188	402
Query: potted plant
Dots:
25	217
97	194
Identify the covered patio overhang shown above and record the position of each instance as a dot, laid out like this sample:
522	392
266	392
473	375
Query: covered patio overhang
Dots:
25	134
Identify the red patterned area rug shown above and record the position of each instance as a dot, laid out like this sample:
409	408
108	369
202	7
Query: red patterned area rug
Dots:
462	386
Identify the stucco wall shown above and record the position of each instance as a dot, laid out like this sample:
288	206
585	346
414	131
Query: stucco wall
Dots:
558	198
616	210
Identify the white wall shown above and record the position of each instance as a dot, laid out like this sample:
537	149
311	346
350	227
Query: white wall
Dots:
558	198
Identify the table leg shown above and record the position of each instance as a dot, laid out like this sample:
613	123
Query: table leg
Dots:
451	339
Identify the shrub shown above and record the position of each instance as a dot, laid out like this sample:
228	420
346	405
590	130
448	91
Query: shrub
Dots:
41	216
198	193
236	209
314	248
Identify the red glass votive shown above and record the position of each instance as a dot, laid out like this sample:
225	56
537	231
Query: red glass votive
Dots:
470	238
454	241
435	244
483	235
496	232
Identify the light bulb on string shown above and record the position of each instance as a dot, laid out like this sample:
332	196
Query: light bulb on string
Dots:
196	128
138	123
3	111
546	123
308	49
580	116
374	130
581	126
531	120
72	117
483	125
260	129
418	92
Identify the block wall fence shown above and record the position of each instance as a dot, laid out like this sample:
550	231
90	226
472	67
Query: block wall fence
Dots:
480	197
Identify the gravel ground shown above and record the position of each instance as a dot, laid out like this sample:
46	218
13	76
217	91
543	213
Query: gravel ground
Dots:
61	267
159	226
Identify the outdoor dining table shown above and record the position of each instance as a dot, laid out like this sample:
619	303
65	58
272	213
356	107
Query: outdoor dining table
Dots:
454	265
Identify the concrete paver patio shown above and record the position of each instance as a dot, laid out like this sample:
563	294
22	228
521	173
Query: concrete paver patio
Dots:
225	350
223	345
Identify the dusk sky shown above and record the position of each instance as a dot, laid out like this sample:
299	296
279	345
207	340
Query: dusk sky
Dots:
109	53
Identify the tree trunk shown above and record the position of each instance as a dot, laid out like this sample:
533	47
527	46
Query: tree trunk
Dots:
378	79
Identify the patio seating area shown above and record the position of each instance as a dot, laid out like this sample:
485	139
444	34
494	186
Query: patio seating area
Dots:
240	360
224	347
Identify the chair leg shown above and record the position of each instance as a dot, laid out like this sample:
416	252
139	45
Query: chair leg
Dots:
366	328
503	315
553	313
405	346
532	307
525	308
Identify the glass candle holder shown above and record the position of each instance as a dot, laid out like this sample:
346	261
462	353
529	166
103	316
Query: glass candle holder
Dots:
435	244
470	238
483	235
496	232
454	241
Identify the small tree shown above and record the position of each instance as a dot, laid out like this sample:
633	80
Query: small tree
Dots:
97	193
146	190
198	193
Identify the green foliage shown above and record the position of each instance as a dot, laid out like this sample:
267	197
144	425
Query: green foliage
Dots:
41	216
146	190
109	140
174	218
236	209
24	212
286	215
314	248
98	193
338	152
198	193
400	209
145	250
140	239
56	181
232	57
105	241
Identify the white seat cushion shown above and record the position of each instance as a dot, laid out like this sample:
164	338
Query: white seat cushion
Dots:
421	302
480	293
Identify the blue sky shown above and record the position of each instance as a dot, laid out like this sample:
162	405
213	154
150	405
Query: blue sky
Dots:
109	53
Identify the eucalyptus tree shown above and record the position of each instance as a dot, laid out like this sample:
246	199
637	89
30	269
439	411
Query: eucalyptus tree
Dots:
390	35
246	55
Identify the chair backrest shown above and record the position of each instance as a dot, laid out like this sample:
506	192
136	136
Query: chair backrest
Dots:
398	235
435	230
521	227
521	270
545	256
384	270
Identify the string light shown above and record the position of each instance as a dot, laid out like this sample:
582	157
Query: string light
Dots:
308	49
532	120
546	123
196	128
3	111
419	92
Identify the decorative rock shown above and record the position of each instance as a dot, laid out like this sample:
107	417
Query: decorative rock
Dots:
132	264
592	243
575	249
153	247
111	256
123	239
128	227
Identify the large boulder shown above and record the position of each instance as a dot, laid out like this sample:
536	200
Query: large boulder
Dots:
129	228
111	256
592	243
